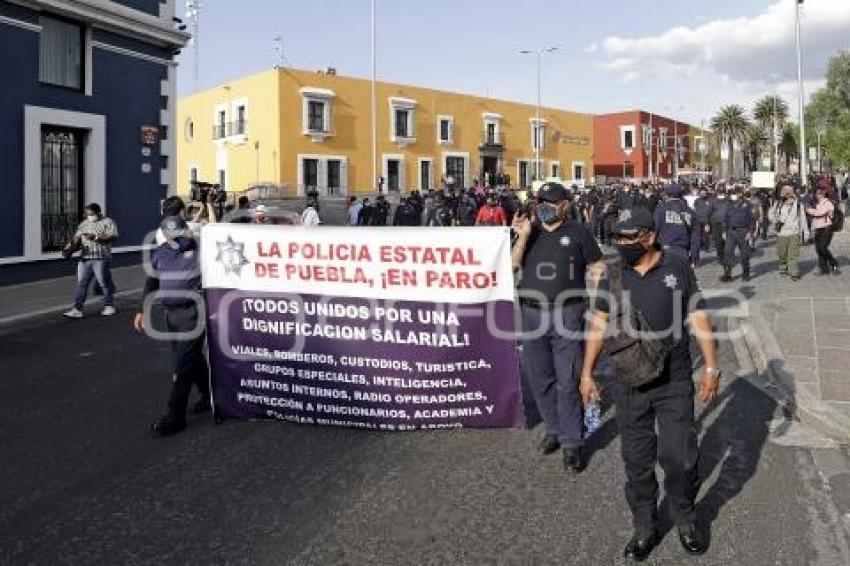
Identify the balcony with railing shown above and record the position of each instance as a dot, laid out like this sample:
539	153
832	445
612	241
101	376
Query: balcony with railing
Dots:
229	129
492	141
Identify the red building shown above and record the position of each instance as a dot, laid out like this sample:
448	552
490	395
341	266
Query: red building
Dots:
622	147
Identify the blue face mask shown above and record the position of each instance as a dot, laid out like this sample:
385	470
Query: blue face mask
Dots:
547	213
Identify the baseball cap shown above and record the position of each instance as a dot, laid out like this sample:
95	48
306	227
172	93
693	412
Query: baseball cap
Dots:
260	208
674	190
552	192
631	221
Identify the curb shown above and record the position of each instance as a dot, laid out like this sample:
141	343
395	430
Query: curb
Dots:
769	362
8	321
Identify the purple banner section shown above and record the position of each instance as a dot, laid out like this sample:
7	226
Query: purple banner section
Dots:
389	365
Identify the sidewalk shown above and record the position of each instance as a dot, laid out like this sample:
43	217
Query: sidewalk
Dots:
31	301
798	333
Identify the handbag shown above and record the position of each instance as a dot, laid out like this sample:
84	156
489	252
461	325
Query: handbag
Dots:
636	360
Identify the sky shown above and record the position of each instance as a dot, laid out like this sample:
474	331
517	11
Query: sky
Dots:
680	58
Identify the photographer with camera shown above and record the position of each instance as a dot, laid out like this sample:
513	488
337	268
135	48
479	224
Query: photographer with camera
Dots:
789	222
94	238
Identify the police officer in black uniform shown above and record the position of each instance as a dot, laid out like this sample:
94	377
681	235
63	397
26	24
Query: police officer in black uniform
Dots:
674	222
703	207
740	225
663	287
381	211
553	256
176	273
718	218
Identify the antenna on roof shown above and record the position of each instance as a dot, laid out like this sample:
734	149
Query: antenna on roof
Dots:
193	13
277	52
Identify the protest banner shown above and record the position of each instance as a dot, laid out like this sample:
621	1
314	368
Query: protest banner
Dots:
397	330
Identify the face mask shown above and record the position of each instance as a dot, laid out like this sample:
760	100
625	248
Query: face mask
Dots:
91	217
547	213
631	253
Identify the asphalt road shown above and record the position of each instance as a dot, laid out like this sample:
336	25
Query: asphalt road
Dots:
82	481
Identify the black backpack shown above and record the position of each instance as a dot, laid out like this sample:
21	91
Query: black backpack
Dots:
636	360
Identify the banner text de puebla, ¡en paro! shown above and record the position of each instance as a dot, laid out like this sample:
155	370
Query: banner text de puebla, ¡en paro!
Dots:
397	329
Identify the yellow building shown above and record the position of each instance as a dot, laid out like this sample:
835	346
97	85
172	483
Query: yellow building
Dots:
302	129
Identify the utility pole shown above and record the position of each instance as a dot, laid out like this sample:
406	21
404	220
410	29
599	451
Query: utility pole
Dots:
537	129
374	108
804	169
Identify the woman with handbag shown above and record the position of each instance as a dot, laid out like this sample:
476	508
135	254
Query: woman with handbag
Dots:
822	212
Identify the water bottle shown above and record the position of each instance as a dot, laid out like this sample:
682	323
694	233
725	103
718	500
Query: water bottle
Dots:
592	417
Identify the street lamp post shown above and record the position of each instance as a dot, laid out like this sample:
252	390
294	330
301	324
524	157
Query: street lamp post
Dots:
539	52
804	169
374	108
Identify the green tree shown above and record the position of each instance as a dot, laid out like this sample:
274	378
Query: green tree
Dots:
838	77
788	145
755	141
730	124
771	112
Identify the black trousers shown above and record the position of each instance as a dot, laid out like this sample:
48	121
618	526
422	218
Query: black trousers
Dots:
719	233
669	401
188	364
823	238
737	239
552	362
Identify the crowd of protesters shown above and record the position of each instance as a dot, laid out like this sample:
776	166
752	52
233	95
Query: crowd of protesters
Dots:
659	230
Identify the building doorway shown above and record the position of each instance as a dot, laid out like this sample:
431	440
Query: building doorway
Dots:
393	172
62	182
489	168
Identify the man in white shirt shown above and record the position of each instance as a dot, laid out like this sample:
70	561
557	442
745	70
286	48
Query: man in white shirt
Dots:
310	216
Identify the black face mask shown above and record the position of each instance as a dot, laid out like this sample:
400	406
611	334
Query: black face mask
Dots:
631	253
548	214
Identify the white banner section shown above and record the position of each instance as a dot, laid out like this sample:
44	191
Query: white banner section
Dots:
463	265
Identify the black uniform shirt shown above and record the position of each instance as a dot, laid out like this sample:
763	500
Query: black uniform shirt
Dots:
557	261
666	295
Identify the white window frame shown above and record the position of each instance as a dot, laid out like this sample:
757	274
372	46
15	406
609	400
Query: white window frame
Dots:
223	107
519	180
94	158
623	130
573	170
440	119
325	96
430	161
540	127
662	140
552	166
496	120
402	169
398	103
467	164
322	172
234	113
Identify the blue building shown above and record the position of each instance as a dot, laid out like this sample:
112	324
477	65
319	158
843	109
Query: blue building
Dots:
87	98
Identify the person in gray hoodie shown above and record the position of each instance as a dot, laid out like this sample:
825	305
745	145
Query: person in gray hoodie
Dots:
788	218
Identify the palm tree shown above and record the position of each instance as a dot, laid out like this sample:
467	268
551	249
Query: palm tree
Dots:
730	124
755	141
772	113
788	144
